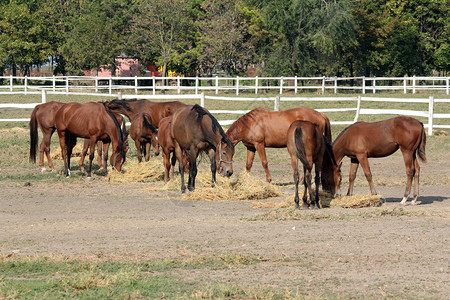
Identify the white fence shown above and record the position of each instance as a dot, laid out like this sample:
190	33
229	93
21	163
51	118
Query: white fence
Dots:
237	85
359	109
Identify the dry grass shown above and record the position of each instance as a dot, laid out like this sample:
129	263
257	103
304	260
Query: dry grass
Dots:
76	151
132	171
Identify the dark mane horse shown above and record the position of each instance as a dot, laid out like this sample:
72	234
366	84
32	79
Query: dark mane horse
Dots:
262	128
379	139
305	142
132	108
144	134
194	130
93	121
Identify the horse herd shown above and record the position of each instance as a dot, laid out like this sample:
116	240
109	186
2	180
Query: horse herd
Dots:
184	131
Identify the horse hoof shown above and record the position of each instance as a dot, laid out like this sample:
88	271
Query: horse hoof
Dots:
89	178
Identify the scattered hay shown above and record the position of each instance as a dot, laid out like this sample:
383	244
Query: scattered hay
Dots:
243	187
325	200
133	171
76	151
439	132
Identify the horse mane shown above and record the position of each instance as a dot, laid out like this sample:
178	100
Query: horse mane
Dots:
147	123
215	124
329	150
119	130
342	133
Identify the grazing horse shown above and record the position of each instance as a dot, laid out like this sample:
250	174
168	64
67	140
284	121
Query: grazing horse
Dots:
133	108
168	147
379	139
44	116
144	133
194	129
305	142
93	121
262	128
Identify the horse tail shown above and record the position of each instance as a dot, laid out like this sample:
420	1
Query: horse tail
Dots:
147	122
421	147
298	137
327	129
119	131
34	137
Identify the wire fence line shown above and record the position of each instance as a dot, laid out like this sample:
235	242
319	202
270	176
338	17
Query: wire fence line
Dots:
217	84
359	109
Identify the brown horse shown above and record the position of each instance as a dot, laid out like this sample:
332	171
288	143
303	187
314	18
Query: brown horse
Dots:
132	108
93	121
44	116
193	130
144	134
262	128
168	148
305	142
379	139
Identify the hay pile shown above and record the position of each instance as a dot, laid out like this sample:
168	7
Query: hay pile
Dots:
242	187
76	151
325	200
133	171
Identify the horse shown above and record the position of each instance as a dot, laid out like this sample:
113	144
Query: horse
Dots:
305	142
380	139
93	121
144	134
43	115
168	148
132	108
262	128
102	147
193	130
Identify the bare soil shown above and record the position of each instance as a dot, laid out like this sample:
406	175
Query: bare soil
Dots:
383	252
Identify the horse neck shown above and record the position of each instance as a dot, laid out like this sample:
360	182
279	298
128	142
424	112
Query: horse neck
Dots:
233	133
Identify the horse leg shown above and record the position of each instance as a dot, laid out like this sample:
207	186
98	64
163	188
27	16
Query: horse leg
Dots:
71	142
179	156
352	175
212	157
364	161
294	164
317	183
410	173
138	148
250	157
45	148
83	154
105	147
147	151
174	160
262	154
62	144
192	169
99	154
416	181
306	180
167	165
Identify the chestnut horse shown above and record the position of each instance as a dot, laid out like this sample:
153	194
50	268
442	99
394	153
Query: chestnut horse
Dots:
305	142
379	139
93	121
168	148
132	108
262	128
144	133
44	116
194	130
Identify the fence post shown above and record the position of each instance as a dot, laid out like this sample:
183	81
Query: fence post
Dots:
323	85
404	85
119	95
256	85
196	85
281	85
364	84
178	84
276	105
358	107
202	99
54	82
447	88
67	84
110	85
44	96
96	84
154	84
26	84
217	84
11	84
414	84
135	84
295	84
374	86
237	85
335	84
430	115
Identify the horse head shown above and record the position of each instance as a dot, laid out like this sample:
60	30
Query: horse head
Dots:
331	179
155	142
224	155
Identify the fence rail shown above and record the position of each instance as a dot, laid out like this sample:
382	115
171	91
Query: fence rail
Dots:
359	109
197	85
